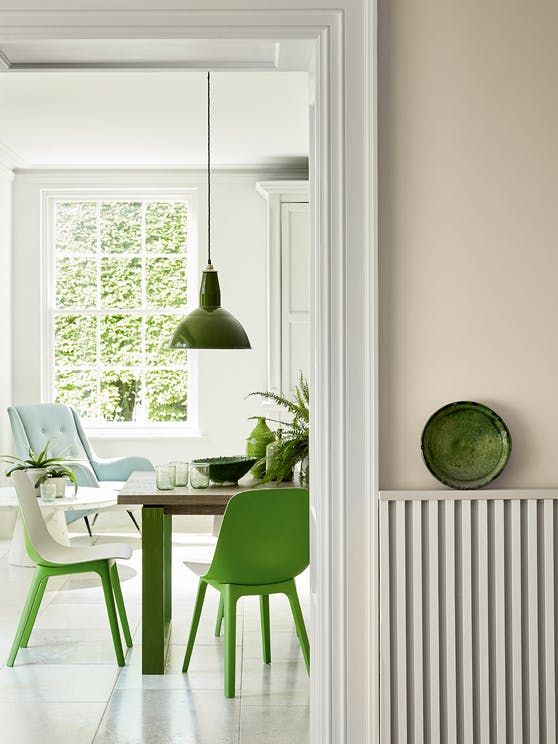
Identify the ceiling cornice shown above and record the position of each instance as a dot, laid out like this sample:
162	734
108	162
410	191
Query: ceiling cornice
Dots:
10	159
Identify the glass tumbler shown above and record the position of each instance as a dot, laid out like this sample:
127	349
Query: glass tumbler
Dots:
48	492
181	469
165	476
199	474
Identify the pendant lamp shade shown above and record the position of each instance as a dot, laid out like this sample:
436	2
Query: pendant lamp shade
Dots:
209	326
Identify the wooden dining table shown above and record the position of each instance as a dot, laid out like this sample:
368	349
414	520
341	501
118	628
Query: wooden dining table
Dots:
158	509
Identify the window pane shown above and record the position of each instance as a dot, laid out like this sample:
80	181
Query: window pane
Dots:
120	339
76	282
76	339
165	227
120	394
166	395
159	330
76	227
121	282
121	227
166	282
77	388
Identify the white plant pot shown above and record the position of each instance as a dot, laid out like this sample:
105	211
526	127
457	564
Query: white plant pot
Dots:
34	474
61	484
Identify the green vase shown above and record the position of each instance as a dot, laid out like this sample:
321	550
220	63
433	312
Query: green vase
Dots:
256	445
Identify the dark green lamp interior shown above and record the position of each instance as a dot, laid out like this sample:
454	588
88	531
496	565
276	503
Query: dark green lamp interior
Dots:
210	326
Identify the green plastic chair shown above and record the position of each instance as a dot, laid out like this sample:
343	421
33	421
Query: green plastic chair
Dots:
54	559
263	544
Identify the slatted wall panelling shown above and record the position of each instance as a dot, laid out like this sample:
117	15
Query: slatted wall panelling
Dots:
468	601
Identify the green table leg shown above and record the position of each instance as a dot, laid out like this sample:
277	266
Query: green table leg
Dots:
156	588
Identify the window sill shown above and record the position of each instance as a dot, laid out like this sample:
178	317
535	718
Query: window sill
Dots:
143	433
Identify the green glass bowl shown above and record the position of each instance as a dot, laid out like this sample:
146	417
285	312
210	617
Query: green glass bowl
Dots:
228	469
465	445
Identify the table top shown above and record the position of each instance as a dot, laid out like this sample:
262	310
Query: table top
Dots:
87	498
140	488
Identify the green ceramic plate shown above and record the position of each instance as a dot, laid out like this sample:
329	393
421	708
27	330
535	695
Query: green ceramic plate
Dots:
465	445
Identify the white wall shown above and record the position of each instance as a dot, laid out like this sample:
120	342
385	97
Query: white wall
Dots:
6	178
468	226
239	253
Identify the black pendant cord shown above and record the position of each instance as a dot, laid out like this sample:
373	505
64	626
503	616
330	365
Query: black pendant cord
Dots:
208	172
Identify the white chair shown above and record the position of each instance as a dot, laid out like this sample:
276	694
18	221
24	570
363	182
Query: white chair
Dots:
54	559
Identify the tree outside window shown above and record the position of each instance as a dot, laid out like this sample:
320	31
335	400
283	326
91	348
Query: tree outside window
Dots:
120	290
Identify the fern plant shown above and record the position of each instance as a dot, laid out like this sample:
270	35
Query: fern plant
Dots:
293	448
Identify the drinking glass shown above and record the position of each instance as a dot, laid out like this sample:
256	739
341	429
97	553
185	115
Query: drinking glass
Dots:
165	476
199	474
48	492
181	468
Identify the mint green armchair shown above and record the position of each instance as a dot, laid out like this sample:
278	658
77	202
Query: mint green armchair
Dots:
35	425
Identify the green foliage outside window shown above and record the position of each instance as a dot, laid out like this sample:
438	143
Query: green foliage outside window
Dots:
121	288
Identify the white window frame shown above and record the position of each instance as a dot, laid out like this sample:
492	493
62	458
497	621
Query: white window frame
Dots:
49	199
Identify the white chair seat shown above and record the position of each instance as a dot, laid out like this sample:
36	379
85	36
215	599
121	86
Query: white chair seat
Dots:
65	555
200	569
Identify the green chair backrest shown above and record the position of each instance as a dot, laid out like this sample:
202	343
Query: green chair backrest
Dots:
264	538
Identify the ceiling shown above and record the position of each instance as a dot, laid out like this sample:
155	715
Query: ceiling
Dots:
133	117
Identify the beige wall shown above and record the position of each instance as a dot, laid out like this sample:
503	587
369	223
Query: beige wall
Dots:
468	226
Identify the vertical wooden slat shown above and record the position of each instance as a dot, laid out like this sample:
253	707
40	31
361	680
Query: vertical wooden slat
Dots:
516	702
499	623
533	638
418	698
434	624
483	650
385	623
549	620
401	621
467	622
450	660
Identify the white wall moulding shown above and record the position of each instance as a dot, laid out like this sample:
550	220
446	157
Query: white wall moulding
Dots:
481	494
343	460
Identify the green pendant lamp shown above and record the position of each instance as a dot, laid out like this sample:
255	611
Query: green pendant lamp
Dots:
209	326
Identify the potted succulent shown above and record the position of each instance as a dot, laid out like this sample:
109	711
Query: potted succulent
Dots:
35	464
59	475
291	450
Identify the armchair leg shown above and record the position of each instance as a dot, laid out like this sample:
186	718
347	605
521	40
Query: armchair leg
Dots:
86	520
131	515
95	518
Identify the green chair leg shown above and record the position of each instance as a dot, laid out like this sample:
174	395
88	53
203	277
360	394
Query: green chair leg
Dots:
202	588
266	638
27	614
34	611
117	589
299	623
230	599
104	573
220	613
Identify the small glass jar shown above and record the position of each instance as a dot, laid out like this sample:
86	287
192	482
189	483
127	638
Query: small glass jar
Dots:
48	492
165	476
199	474
182	468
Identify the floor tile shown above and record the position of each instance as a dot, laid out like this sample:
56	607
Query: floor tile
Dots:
206	671
280	725
79	683
169	717
283	682
284	645
39	722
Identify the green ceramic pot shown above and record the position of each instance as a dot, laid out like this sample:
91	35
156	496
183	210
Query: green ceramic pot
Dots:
256	445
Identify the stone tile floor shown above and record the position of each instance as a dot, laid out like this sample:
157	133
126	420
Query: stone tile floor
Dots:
67	688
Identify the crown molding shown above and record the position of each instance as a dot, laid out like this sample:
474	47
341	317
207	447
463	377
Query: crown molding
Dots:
10	159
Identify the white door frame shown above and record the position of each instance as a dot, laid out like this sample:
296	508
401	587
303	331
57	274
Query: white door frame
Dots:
344	584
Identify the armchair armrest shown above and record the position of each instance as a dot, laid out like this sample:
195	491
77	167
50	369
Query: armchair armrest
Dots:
119	468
